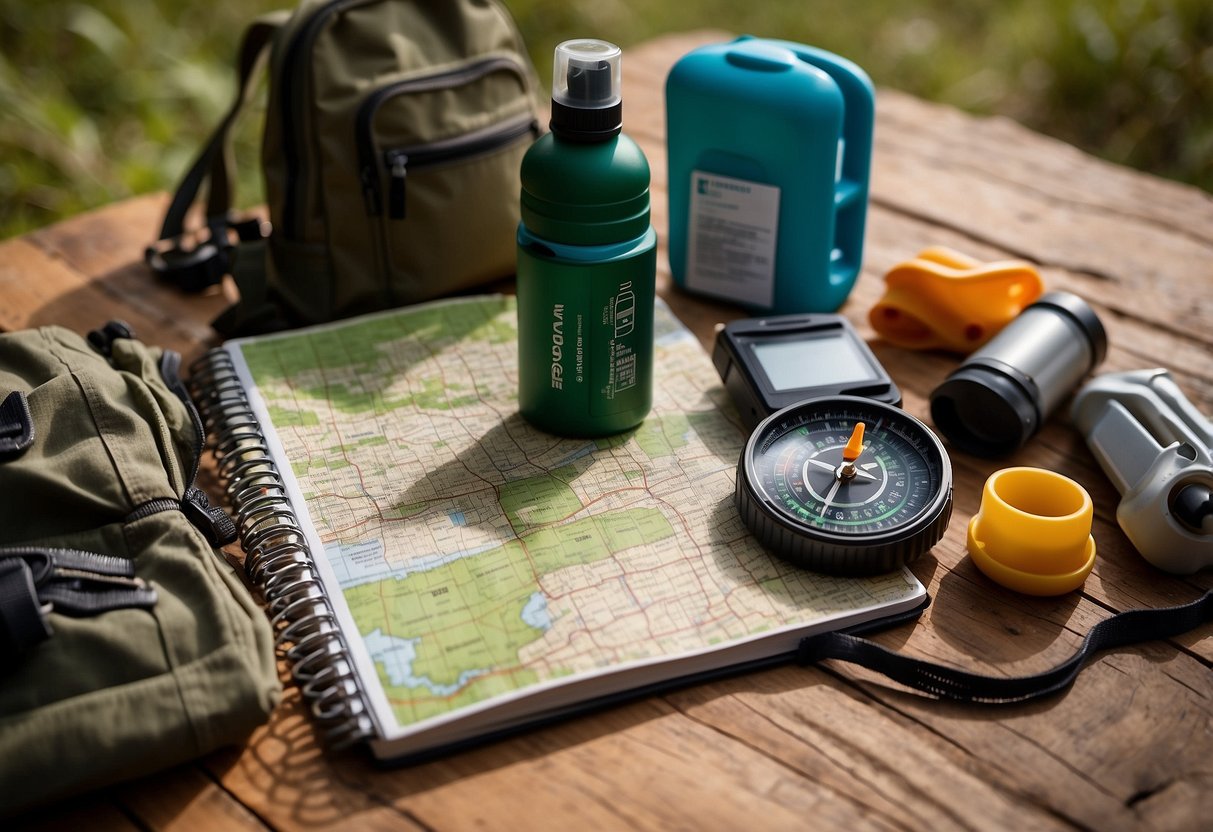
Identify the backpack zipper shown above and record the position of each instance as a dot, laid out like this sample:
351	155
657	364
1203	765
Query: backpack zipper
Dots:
400	161
297	66
364	136
154	506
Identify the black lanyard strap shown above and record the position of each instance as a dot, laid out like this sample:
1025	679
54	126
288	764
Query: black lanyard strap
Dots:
1129	627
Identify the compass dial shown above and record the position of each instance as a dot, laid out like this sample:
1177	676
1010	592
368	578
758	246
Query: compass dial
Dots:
845	485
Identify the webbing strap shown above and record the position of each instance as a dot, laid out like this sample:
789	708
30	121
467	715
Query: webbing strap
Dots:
212	162
1129	627
194	269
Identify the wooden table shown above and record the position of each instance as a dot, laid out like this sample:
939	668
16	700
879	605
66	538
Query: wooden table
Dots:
1130	745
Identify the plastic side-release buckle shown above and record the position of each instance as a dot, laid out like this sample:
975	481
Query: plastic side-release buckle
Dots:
23	622
71	582
943	299
195	268
16	426
102	339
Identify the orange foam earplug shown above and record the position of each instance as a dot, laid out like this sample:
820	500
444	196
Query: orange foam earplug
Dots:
943	299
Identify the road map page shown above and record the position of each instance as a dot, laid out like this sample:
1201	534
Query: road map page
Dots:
480	558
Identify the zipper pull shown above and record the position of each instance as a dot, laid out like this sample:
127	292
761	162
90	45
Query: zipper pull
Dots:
84	583
398	164
212	521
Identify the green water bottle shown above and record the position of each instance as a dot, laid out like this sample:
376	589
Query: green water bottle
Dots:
587	258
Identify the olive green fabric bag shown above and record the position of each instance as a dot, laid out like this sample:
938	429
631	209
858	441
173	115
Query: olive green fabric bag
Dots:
143	648
394	135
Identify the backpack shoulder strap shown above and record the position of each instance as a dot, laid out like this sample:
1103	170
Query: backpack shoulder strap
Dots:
197	265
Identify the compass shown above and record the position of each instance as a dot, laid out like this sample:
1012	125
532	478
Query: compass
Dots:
845	485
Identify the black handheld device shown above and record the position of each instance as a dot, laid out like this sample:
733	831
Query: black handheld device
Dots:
769	363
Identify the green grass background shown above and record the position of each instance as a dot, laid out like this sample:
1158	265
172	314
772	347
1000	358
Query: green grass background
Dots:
102	100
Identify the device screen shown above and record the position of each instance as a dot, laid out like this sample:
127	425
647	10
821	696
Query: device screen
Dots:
812	362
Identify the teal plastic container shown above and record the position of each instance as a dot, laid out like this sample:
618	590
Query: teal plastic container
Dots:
770	148
587	259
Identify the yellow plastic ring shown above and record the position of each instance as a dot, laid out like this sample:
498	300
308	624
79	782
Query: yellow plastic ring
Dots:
1032	532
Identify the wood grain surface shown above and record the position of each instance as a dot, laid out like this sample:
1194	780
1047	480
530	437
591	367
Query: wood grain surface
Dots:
1129	746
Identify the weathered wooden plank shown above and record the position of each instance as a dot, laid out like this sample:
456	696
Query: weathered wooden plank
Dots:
1000	148
283	776
100	241
643	765
91	812
1091	754
849	742
89	269
894	236
1138	265
184	799
927	157
38	289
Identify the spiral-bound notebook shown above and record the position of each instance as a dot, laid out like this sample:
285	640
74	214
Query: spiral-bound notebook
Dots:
438	571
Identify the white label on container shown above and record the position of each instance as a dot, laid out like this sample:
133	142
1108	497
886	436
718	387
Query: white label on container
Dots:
731	236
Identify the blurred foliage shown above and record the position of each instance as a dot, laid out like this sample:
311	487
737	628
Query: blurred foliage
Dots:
110	98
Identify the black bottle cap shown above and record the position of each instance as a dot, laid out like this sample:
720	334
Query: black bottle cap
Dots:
586	101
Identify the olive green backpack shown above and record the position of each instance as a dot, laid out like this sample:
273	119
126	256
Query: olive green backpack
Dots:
127	641
394	134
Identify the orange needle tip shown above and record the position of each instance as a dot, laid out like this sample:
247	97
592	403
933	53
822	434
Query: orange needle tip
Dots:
854	445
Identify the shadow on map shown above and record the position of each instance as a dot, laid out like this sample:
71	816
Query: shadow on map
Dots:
471	480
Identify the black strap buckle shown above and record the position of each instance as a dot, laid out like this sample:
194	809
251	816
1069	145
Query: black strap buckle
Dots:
36	580
103	338
23	621
16	426
249	228
195	267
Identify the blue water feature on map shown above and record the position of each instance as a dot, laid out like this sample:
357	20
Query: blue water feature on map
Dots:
363	562
458	518
584	450
535	613
397	656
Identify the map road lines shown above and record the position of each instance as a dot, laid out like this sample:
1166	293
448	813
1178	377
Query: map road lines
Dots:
479	556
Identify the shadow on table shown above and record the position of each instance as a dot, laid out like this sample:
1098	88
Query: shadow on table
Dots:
156	312
288	778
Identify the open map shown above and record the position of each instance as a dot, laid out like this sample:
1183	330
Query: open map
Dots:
479	556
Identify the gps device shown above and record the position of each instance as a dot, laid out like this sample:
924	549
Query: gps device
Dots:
767	364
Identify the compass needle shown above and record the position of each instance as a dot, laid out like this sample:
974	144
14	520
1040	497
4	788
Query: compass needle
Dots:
825	506
854	445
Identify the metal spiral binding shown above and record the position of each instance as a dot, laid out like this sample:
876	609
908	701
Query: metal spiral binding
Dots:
277	557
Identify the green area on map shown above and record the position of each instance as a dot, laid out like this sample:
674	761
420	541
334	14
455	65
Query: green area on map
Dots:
479	556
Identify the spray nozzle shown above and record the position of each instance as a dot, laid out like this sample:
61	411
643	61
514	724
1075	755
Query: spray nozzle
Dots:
586	81
589	81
